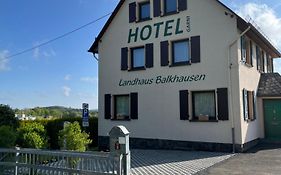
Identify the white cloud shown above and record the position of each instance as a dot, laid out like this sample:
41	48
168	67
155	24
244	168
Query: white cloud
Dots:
67	77
66	91
89	79
266	18
38	52
3	61
277	65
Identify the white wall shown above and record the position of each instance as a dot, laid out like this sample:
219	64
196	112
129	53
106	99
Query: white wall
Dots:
159	104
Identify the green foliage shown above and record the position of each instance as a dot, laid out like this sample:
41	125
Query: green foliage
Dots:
54	111
7	116
54	126
33	140
8	137
32	135
73	138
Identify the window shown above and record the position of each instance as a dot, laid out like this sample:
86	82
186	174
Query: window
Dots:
138	58
262	61
249	105
180	52
144	11
184	52
246	50
121	107
125	106
258	57
170	6
269	64
204	105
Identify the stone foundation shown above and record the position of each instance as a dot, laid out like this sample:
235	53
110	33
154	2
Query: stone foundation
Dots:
140	143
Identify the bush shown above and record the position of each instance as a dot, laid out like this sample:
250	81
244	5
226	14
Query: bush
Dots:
32	135
7	137
73	138
54	126
7	116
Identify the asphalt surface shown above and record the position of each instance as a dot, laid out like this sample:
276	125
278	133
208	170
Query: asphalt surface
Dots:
264	159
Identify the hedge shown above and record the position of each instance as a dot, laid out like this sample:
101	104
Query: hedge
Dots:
55	125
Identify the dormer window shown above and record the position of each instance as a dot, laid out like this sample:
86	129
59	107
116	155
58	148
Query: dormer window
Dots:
170	6
144	11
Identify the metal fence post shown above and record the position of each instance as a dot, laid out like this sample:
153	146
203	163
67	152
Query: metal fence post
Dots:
119	146
127	163
17	159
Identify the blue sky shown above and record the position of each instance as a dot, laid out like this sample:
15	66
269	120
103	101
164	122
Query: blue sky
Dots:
63	72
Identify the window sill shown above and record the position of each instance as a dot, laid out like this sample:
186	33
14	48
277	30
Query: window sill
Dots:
169	13
247	64
204	121
250	120
143	20
137	69
186	63
120	119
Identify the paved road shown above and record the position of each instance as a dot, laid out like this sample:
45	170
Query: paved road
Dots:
161	162
264	159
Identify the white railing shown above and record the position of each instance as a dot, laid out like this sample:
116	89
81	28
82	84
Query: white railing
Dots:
41	162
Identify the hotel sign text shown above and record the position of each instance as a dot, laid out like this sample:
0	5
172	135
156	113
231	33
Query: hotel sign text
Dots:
156	30
162	80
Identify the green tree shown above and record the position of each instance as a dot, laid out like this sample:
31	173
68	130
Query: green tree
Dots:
32	135
7	116
72	138
8	137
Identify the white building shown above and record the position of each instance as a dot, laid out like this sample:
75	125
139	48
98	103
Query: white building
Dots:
185	74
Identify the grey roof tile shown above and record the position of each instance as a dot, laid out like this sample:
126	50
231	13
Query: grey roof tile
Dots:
269	85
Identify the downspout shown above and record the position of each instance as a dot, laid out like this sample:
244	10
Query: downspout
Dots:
230	87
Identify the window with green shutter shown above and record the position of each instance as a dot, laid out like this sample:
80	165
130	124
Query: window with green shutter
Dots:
249	105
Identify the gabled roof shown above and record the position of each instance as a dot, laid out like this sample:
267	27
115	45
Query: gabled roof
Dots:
94	47
269	85
241	25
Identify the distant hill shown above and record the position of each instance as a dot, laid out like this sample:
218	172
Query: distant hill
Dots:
54	111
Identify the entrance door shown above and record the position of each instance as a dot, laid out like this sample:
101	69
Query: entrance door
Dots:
272	119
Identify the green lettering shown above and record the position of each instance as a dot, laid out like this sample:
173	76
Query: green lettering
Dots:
148	33
134	35
168	27
202	77
197	78
178	30
158	25
158	79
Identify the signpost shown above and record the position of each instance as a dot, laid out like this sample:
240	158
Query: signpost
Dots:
85	115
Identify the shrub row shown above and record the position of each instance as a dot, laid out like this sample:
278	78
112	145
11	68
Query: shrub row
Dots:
54	126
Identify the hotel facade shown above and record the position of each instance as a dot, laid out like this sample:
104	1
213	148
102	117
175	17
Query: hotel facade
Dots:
186	74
